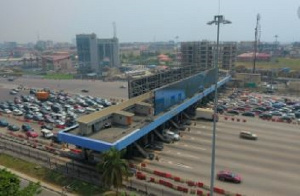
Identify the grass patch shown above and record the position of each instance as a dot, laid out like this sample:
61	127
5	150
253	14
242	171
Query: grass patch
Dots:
49	176
59	76
293	64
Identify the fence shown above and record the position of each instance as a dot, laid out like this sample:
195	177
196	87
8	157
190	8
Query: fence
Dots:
67	167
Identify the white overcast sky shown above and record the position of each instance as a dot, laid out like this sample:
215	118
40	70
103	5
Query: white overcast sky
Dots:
147	20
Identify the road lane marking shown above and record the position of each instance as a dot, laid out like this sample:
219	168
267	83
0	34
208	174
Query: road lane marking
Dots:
195	147
177	164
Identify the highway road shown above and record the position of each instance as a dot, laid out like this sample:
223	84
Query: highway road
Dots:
269	166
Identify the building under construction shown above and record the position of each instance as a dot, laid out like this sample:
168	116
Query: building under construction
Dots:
201	54
228	55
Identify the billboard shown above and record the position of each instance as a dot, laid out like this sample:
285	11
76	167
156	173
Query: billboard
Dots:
170	95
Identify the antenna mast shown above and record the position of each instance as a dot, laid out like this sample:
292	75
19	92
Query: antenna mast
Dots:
115	30
257	37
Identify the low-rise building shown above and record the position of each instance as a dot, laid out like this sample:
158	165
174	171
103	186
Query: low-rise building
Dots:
58	62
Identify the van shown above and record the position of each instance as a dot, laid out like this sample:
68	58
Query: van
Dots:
47	133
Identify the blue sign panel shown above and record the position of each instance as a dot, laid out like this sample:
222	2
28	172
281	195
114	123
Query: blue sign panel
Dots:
175	93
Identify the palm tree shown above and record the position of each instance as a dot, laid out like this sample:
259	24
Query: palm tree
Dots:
113	168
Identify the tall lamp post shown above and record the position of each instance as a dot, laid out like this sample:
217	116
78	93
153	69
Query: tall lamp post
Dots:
218	19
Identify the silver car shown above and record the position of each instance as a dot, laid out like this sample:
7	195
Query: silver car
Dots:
248	135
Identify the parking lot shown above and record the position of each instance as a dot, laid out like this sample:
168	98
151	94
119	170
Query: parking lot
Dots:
95	87
20	106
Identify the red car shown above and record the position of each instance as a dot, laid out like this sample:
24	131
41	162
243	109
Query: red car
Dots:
32	134
229	176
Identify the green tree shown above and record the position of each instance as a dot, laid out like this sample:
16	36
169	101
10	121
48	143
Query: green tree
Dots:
113	169
10	185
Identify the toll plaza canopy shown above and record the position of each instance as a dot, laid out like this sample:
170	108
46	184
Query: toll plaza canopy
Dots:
122	136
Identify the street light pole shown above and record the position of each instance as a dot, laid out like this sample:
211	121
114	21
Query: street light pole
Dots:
218	19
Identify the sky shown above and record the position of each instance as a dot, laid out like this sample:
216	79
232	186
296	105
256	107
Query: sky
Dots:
147	20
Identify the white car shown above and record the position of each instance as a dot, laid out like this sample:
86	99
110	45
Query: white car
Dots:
7	111
172	135
79	110
17	113
89	109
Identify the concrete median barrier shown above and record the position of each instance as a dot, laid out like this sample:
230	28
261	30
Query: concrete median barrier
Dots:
200	184
218	190
199	192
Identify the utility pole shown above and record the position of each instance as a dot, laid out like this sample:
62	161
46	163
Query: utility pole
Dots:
218	19
256	41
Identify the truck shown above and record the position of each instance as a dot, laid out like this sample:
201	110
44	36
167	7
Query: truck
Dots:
206	114
42	95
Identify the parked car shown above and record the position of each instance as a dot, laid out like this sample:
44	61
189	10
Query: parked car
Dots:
3	123
38	118
249	114
286	118
13	128
107	125
13	92
47	126
27	127
17	112
234	112
32	134
84	90
48	119
276	113
7	111
229	176
248	135
265	116
28	116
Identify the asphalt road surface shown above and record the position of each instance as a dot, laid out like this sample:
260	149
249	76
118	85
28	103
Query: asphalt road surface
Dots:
268	166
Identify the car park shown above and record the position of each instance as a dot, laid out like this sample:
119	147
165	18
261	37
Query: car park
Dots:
248	135
229	176
13	128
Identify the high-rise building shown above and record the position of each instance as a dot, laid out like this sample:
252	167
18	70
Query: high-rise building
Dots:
202	54
94	54
108	52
